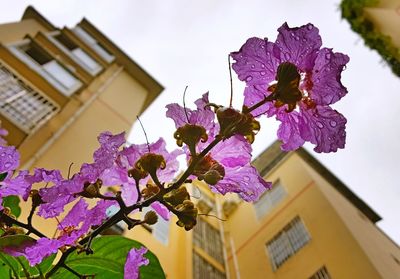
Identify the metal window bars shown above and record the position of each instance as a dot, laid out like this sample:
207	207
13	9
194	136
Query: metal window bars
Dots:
22	105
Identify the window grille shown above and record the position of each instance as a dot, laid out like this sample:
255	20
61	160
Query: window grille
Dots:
287	242
269	200
208	239
322	273
22	105
96	46
202	269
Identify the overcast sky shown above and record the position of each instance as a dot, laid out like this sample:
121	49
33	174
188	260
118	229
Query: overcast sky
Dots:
187	42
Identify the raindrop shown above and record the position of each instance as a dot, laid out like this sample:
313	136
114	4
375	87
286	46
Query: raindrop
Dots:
246	178
262	73
304	40
297	38
320	125
7	165
249	78
328	56
333	123
262	66
287	55
253	66
317	80
292	34
3	154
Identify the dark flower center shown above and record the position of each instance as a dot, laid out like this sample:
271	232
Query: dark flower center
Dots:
286	91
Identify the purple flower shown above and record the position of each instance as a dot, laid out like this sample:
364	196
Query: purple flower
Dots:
297	80
227	165
134	260
161	210
9	158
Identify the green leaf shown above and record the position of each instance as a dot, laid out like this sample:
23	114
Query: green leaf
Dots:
11	265
108	260
13	203
3	176
16	240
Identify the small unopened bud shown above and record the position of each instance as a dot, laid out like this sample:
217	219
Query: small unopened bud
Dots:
150	163
212	177
150	218
177	196
149	191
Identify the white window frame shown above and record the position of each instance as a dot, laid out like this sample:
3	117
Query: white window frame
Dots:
93	43
269	200
72	54
31	63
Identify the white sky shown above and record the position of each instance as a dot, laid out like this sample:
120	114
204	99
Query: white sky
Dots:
187	42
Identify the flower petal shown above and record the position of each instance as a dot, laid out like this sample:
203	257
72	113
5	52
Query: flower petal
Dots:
324	127
244	181
255	94
134	260
298	45
9	158
161	210
255	62
233	152
327	88
288	131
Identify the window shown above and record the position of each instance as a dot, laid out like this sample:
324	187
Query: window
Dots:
322	273
22	105
206	204
208	239
287	242
269	200
74	52
202	269
160	230
44	64
119	227
96	46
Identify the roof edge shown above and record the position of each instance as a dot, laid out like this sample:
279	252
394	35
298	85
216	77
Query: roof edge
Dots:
31	13
134	69
273	156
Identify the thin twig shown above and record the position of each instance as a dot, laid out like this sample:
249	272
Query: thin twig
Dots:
144	131
184	105
230	76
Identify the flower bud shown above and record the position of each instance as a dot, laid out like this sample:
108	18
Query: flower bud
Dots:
177	196
150	163
212	177
187	215
190	135
149	191
150	218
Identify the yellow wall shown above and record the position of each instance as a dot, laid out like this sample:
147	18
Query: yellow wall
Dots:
331	244
16	31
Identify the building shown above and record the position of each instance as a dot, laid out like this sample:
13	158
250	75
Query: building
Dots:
59	88
378	23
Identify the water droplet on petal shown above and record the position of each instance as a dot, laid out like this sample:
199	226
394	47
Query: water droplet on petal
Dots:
3	154
249	78
246	178
317	80
320	125
253	66
262	73
7	165
333	123
328	56
297	38
287	55
262	66
304	40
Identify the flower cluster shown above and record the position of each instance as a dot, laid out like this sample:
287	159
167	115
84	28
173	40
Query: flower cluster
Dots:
298	81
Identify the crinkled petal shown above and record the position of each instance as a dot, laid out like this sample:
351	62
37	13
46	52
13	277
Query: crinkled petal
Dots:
298	45
105	156
233	152
177	113
255	63
288	131
254	95
327	87
75	216
161	210
114	176
324	127
54	208
43	248
9	158
134	260
244	181
129	192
